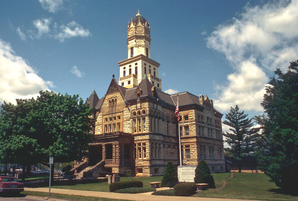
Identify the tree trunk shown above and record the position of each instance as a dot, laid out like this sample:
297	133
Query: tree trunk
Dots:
28	170
6	168
239	165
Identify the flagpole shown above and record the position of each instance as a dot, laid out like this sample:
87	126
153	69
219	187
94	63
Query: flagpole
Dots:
179	132
180	154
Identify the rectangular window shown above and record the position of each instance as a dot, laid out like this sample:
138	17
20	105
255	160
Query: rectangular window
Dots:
136	70
130	71
131	52
185	117
154	73
128	82
186	130
157	84
118	126
149	71
135	125
124	73
144	150
122	83
187	151
145	70
140	170
114	126
144	121
140	125
147	52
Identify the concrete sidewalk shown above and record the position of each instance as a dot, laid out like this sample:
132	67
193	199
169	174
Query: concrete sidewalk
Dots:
124	196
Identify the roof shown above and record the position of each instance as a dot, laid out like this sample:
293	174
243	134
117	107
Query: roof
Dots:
146	90
137	17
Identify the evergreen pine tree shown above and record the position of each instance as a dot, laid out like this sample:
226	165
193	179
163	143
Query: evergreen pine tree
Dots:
278	157
170	175
203	174
241	135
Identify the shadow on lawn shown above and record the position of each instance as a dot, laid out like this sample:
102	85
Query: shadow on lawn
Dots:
284	192
61	183
11	195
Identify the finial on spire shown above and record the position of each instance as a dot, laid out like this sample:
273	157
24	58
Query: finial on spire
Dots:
138	13
113	76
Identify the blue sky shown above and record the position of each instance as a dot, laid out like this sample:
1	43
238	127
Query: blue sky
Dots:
226	49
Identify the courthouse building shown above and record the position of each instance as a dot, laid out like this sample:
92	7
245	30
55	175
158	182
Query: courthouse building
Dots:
135	128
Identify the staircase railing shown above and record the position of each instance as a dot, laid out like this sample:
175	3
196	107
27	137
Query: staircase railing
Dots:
80	167
95	170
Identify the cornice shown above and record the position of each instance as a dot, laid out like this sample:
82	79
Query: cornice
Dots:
137	58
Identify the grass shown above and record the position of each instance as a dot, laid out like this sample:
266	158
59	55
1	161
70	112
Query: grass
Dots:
66	197
247	186
241	186
34	178
104	186
169	192
135	190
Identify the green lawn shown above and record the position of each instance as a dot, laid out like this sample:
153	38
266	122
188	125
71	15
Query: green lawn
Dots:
241	186
66	197
246	186
104	186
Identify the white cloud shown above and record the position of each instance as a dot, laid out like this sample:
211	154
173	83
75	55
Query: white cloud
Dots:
76	71
171	91
163	74
17	78
71	30
262	37
43	27
51	5
21	34
245	88
204	32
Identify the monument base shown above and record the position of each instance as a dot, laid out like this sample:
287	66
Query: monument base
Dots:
186	173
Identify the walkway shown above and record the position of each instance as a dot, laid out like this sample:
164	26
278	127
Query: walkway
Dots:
125	196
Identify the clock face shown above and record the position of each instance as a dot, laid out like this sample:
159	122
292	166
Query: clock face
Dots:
130	31
140	29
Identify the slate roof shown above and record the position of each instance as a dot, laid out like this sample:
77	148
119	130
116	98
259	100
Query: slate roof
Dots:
145	89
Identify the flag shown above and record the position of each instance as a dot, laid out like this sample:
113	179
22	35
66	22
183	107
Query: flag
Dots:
177	110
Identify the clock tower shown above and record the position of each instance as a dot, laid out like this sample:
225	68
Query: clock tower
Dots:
138	62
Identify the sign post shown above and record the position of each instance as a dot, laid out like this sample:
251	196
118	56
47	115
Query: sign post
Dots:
51	161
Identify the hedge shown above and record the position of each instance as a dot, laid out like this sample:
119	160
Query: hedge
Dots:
185	189
125	184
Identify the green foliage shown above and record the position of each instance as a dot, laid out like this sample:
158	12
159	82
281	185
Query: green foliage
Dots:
50	125
278	157
135	190
124	184
203	174
169	175
185	189
169	192
241	135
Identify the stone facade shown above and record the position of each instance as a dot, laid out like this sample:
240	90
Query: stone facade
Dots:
135	126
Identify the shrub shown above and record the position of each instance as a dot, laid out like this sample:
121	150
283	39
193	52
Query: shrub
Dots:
170	175
169	192
185	189
135	190
125	184
203	174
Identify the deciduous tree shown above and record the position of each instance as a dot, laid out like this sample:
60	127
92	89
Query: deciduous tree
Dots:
52	125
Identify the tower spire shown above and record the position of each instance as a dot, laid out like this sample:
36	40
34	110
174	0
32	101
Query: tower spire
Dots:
138	14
